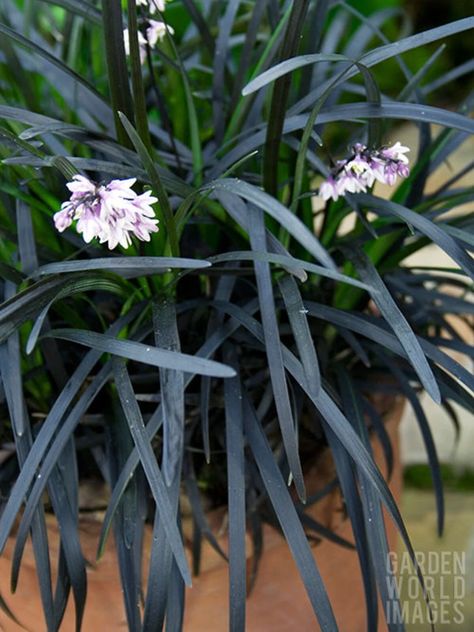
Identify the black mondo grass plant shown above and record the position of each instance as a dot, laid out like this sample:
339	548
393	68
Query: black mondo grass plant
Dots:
202	288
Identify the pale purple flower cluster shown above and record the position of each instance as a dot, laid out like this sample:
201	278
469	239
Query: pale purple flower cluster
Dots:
110	212
154	32
360	171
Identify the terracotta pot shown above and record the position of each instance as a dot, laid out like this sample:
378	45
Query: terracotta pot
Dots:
278	602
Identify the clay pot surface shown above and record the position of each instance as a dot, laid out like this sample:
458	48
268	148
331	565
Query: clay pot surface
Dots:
278	601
